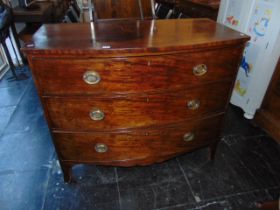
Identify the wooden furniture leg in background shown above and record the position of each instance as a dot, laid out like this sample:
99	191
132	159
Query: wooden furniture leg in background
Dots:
268	118
67	172
212	150
269	205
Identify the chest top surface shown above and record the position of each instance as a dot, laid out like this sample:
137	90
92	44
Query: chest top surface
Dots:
132	37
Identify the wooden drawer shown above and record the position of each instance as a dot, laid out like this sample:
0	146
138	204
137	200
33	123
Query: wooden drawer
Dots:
136	110
134	74
101	147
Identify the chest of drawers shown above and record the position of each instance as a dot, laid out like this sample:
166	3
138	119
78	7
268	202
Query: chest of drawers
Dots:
127	93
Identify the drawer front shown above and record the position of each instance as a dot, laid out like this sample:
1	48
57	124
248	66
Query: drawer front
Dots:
134	74
92	113
101	147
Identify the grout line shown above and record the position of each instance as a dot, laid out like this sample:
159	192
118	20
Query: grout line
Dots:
16	106
117	180
206	205
176	206
196	198
255	136
45	192
47	184
13	108
244	137
25	90
6	106
237	157
217	198
268	167
243	193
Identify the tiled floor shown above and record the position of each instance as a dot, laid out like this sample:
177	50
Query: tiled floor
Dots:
246	168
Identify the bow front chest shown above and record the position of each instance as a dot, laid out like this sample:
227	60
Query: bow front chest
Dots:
131	92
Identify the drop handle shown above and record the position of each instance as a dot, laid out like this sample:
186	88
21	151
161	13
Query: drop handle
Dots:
96	114
188	137
91	77
193	104
200	70
101	148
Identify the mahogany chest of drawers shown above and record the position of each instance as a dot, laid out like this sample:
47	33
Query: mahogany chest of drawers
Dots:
127	93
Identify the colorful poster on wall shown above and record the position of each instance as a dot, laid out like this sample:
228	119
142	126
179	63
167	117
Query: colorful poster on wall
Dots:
246	67
259	23
259	31
234	13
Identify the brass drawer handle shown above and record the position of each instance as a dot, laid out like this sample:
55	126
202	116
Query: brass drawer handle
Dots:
91	77
188	137
101	148
193	104
200	70
96	114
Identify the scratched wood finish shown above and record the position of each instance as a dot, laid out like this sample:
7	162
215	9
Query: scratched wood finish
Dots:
124	146
130	111
146	70
135	74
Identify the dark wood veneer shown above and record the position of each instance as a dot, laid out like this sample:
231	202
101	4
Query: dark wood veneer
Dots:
129	111
147	80
130	38
137	144
268	116
134	74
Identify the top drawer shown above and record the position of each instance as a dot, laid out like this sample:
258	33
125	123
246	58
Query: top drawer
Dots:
133	74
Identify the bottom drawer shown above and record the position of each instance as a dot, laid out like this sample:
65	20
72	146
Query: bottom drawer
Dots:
141	144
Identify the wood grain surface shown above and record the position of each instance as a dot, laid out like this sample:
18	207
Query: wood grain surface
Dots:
130	111
135	74
127	147
147	80
131	37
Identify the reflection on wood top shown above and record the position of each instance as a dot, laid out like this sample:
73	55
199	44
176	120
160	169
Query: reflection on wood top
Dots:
132	36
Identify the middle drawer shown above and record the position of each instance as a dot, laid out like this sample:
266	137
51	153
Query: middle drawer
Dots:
130	111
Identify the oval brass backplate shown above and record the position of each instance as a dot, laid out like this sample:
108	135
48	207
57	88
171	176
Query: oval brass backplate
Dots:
193	104
200	70
96	114
101	148
188	137
91	77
